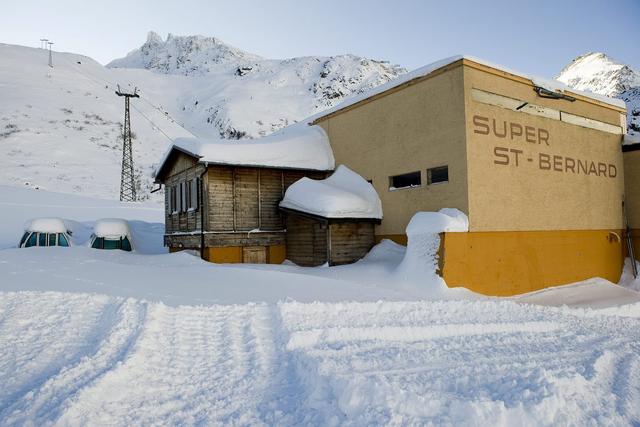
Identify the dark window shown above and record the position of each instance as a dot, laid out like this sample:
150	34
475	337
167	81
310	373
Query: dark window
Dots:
31	241
111	244
437	175
42	239
406	180
24	238
53	239
97	243
126	244
62	240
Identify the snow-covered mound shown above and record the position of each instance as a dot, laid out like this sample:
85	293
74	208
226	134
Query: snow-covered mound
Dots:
596	72
344	194
111	227
298	147
419	267
46	225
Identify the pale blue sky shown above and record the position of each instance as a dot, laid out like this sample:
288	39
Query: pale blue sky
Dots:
537	37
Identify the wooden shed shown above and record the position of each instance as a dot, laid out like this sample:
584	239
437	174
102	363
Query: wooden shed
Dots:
331	221
314	240
221	198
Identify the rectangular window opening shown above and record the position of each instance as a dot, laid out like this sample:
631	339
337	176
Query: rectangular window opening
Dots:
407	180
438	175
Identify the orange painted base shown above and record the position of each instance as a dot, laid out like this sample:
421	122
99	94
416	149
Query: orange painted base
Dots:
511	263
233	254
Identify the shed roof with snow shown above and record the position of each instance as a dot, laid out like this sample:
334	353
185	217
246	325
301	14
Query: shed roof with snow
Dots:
298	146
344	194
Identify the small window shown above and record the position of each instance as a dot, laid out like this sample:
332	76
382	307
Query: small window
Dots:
126	244
42	239
31	241
53	239
183	199
407	180
111	244
97	243
62	240
24	238
193	193
438	175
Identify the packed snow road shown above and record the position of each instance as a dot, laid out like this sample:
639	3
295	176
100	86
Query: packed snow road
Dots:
84	359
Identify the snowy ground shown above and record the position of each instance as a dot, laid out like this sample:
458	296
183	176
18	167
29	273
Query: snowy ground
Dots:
92	337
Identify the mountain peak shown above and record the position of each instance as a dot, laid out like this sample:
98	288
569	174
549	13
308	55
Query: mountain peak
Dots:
187	55
599	73
153	38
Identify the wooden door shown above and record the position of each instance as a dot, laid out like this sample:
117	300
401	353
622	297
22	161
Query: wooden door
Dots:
254	254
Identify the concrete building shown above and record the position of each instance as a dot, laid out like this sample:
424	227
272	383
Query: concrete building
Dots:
537	167
539	172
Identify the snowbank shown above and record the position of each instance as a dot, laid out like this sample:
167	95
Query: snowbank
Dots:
445	220
46	225
345	194
419	267
298	147
111	227
549	84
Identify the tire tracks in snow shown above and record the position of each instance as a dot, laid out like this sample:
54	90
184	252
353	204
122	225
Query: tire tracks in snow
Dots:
120	327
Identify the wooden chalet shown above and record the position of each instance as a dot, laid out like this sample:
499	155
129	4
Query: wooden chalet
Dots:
221	198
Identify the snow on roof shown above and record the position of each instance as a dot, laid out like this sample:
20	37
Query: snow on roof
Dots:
297	146
549	84
111	227
345	194
46	225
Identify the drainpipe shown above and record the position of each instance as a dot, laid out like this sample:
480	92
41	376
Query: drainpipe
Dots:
206	168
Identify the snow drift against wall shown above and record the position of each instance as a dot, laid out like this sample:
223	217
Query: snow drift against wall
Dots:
344	194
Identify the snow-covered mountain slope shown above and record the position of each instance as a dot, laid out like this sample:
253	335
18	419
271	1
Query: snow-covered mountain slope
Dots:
186	55
598	73
60	127
235	94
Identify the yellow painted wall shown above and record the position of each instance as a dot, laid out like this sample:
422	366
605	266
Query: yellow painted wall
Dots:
418	127
277	254
510	263
233	254
526	196
224	255
632	186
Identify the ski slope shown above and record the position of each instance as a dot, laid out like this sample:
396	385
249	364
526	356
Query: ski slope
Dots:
91	337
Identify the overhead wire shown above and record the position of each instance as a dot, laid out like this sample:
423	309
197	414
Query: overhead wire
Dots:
99	80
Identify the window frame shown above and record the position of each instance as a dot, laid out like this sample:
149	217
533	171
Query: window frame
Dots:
437	168
417	173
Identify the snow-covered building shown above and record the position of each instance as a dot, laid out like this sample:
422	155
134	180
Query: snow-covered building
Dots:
223	196
331	220
536	166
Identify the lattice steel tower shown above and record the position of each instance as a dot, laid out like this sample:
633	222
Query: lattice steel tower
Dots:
127	178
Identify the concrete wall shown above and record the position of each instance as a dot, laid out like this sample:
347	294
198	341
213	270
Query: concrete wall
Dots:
534	182
412	129
632	194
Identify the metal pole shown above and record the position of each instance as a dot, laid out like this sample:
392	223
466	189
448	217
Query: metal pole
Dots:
50	57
